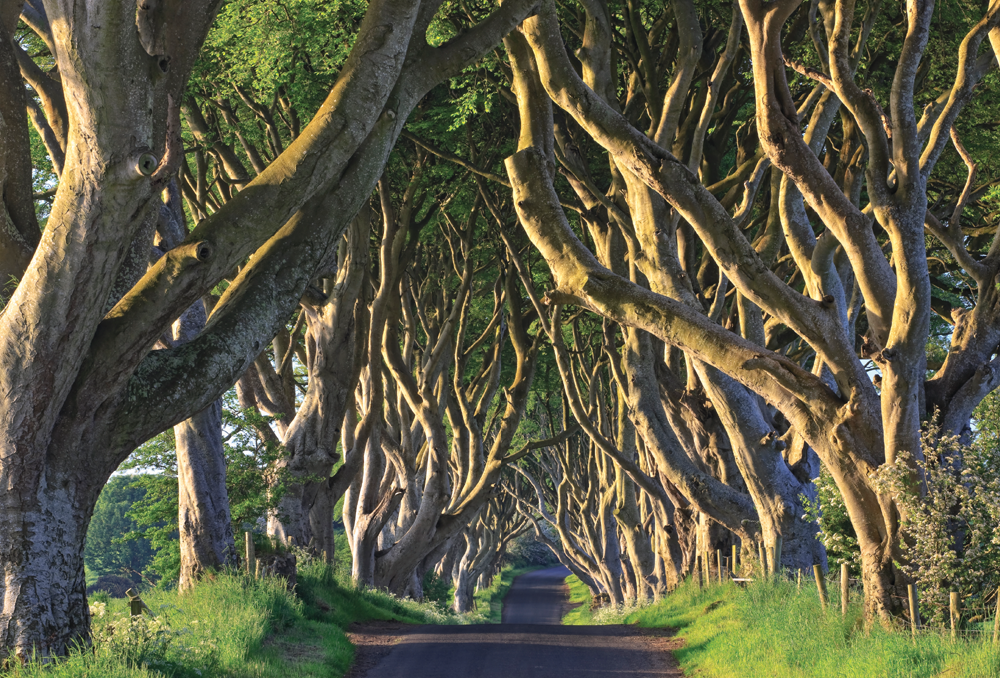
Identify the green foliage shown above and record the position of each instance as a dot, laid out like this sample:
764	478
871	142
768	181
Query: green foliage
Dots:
437	590
155	515
254	485
107	551
284	57
297	46
836	533
950	505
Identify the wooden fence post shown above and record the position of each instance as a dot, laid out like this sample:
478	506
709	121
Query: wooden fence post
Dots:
718	562
911	591
760	556
845	589
996	622
250	556
732	563
821	585
706	564
136	605
697	569
776	556
953	600
798	586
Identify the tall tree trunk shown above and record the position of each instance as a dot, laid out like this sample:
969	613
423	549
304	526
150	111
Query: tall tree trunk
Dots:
45	601
335	339
204	523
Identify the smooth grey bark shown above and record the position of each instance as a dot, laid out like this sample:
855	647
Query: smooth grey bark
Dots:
204	523
334	359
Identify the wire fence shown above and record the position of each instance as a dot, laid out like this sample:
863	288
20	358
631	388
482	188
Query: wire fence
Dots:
975	616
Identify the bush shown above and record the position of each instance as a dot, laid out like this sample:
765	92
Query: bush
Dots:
950	505
112	584
437	590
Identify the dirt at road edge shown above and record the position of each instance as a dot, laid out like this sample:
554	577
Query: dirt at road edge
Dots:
372	642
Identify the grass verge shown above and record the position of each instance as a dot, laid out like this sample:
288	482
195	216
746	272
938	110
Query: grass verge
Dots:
233	626
579	597
773	630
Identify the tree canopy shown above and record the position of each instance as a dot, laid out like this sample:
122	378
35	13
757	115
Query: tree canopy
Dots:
630	275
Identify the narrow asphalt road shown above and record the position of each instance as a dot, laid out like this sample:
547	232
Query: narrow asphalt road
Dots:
538	597
529	644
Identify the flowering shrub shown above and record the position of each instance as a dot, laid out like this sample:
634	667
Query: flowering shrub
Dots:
951	510
836	533
134	641
149	642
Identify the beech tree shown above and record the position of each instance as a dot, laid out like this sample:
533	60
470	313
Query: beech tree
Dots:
434	356
82	386
787	264
852	221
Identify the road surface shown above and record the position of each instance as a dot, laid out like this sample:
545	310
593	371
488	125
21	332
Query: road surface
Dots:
538	597
529	643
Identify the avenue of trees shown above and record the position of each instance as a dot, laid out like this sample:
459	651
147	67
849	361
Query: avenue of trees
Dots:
627	275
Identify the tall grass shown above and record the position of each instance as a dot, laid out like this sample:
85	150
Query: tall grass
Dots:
580	599
773	630
234	626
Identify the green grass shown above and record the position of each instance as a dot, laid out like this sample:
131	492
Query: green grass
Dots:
772	630
233	626
579	594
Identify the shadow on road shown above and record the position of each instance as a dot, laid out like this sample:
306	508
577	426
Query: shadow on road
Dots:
529	643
